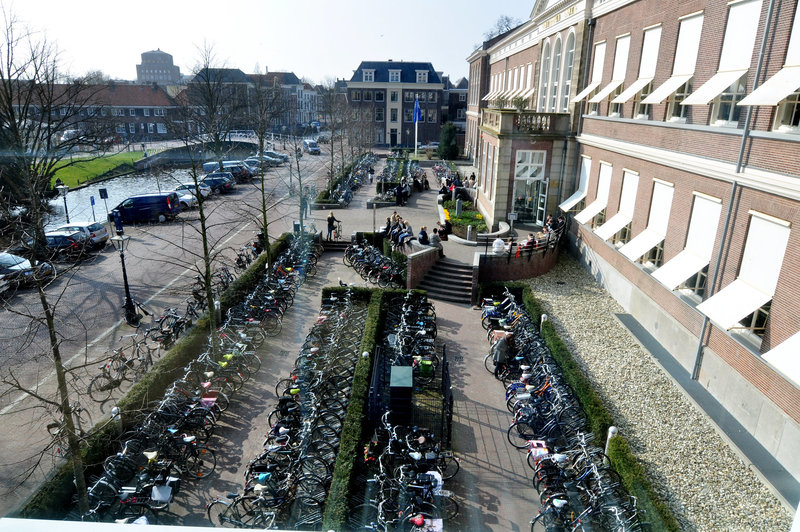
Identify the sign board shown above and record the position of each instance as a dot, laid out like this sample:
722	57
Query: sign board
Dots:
512	216
91	200
103	193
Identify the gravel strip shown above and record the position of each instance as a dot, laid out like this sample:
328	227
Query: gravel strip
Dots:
707	486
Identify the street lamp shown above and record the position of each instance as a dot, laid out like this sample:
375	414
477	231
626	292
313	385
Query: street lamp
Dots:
62	191
131	316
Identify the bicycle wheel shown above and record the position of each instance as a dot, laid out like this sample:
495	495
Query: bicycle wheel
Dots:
272	325
448	466
315	467
242	513
310	486
306	513
201	463
363	517
446	505
101	387
519	433
488	363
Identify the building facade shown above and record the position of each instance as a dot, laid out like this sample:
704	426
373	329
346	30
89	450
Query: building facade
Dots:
157	67
381	97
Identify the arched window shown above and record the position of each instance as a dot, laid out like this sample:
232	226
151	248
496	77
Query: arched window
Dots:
556	72
569	60
545	77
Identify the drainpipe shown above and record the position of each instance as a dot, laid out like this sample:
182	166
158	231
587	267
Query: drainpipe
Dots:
698	357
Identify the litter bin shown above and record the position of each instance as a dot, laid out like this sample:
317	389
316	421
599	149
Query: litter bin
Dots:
297	227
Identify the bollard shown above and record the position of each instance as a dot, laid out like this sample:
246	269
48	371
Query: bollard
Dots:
541	322
218	311
469	232
459	206
612	431
116	415
365	354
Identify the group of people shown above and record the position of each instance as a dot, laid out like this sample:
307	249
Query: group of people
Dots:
551	229
419	182
400	232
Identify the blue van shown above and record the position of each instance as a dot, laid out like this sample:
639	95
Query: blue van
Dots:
148	208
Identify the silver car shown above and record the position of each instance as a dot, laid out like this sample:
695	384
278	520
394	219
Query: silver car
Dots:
94	231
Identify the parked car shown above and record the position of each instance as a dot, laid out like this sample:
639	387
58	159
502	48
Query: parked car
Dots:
263	161
311	146
148	208
219	182
60	245
184	188
275	155
239	170
94	231
18	271
187	200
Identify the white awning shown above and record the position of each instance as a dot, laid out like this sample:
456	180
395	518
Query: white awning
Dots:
680	267
605	91
583	186
667	88
786	358
490	95
585	92
699	243
627	203
657	223
632	91
713	87
527	94
730	305
761	264
776	88
600	202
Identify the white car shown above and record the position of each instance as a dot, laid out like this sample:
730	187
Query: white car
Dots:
94	231
184	188
187	199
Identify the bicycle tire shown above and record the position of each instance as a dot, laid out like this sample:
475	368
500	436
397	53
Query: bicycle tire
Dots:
305	513
101	387
243	512
202	463
364	517
310	486
519	433
132	512
446	505
487	360
448	466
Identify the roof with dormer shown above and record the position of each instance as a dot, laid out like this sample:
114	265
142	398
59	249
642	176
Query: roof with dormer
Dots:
408	71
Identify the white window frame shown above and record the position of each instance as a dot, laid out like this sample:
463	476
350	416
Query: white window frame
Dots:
422	76
131	112
158	112
394	76
530	165
569	64
161	127
132	127
368	75
555	75
544	78
146	112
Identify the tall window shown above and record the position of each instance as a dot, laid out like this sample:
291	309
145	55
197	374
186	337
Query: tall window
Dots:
726	112
530	164
379	114
408	115
431	115
393	96
408	96
675	111
431	96
641	110
378	96
132	112
545	77
569	60
556	72
356	96
788	116
367	96
393	114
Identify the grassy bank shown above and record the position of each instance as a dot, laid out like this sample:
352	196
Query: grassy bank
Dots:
80	171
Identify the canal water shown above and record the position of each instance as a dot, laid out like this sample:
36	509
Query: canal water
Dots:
79	201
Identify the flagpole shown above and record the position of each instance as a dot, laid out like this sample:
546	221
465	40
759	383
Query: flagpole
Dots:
416	132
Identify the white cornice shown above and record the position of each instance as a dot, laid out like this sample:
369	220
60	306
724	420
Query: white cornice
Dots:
770	182
600	9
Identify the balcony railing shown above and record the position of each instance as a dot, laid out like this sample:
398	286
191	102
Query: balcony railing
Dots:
510	122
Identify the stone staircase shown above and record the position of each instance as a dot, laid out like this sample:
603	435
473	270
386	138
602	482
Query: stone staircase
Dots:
449	281
335	246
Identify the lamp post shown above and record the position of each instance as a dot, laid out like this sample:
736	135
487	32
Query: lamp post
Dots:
131	316
62	191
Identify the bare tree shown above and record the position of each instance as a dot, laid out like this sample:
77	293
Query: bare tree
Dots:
503	24
37	106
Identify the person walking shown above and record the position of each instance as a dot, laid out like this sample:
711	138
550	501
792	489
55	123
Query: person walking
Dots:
332	221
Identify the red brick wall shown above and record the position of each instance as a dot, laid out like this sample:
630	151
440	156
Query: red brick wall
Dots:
784	314
512	268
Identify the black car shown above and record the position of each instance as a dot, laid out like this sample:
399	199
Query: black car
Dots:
18	271
220	182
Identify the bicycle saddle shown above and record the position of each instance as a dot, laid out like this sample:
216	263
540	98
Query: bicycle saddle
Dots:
150	455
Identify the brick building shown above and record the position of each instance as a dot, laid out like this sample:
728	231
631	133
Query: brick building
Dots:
157	67
677	156
381	96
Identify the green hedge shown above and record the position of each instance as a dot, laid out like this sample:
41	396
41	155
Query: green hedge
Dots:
324	195
598	416
337	505
54	496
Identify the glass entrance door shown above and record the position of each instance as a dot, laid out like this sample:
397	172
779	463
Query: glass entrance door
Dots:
530	200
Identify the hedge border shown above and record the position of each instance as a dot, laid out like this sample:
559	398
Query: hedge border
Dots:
622	457
53	498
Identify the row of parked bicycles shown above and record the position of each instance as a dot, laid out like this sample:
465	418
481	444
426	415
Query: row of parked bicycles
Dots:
411	336
406	488
349	184
373	266
170	443
286	485
577	488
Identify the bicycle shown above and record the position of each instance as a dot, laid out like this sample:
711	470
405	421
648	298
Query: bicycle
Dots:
82	422
126	363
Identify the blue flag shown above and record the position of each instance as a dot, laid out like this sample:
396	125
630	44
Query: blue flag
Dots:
417	112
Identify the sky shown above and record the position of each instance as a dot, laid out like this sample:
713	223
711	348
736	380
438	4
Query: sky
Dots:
316	39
